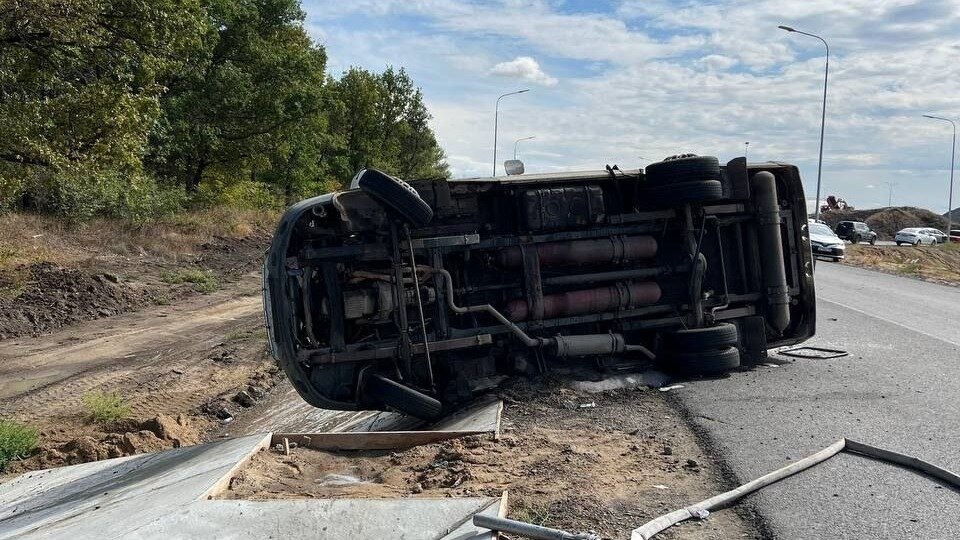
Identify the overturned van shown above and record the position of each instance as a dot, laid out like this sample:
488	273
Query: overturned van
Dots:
416	296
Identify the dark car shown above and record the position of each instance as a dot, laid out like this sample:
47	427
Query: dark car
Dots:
415	297
856	232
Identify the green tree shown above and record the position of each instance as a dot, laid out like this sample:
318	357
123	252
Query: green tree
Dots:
237	109
380	120
79	89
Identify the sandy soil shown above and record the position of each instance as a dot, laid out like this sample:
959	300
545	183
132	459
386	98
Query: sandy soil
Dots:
607	468
186	362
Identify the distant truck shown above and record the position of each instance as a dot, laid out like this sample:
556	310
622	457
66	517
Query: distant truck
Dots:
416	296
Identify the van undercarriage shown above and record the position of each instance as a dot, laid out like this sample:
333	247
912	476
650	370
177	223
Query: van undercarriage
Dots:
416	296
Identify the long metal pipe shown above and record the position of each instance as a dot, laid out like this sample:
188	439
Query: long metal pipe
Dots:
614	249
611	297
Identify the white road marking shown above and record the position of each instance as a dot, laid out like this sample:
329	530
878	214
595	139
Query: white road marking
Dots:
891	321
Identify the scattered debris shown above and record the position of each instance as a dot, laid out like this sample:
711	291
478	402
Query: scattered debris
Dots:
815	353
671	387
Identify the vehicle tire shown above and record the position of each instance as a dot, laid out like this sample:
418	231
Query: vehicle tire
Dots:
682	169
711	362
396	195
917	243
835	259
855	239
899	243
873	240
402	398
700	339
685	192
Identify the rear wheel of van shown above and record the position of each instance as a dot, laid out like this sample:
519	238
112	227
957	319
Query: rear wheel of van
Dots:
699	339
708	362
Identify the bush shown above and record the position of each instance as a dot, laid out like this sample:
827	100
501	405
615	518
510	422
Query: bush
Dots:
16	441
105	406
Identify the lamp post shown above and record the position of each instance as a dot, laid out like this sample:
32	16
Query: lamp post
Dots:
496	114
823	113
516	142
890	194
746	148
953	153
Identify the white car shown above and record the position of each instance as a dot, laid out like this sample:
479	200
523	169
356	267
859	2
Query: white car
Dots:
915	236
824	242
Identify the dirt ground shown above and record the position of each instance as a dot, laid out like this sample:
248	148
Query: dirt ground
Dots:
52	277
606	468
182	369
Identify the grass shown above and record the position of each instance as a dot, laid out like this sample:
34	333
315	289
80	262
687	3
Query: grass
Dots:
536	515
16	441
202	280
105	407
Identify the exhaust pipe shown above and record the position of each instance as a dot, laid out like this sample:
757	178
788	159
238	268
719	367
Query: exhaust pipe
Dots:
610	298
614	250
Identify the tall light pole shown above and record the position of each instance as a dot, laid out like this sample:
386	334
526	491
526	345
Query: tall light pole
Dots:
516	142
496	115
746	148
953	153
890	193
823	113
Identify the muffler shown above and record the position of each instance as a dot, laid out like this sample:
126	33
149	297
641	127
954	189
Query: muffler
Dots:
610	298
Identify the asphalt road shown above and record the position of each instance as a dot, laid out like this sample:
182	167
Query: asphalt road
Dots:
899	389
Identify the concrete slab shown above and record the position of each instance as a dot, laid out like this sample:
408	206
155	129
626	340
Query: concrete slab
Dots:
108	499
341	519
482	418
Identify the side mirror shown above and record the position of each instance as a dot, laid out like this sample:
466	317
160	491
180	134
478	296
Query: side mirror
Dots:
513	167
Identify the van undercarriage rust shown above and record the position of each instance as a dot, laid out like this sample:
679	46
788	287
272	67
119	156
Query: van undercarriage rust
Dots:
415	297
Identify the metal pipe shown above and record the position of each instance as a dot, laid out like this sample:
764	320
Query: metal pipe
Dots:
612	297
423	320
617	275
770	247
527	340
613	249
528	530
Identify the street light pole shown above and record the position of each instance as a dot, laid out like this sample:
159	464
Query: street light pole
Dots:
516	142
746	148
953	153
496	115
823	113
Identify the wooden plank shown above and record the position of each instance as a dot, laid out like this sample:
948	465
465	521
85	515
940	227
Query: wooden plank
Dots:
371	440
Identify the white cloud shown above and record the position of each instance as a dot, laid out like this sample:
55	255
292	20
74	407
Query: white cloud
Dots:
652	78
523	67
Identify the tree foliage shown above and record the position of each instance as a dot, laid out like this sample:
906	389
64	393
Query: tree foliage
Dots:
132	107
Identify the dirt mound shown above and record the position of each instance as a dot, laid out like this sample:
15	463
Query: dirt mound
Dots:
123	438
887	221
50	297
41	297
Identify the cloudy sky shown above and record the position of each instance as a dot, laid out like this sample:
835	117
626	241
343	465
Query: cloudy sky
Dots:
632	81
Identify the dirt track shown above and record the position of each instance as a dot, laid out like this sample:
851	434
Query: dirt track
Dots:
168	360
